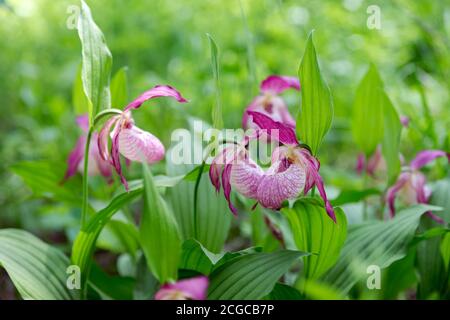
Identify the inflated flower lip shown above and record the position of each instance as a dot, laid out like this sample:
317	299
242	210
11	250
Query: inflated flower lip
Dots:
293	169
132	142
187	289
270	103
96	164
411	184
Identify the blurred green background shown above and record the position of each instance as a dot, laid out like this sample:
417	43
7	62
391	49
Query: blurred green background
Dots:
164	42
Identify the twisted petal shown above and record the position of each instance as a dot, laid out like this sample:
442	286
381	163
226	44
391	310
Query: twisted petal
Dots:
360	163
138	145
245	178
393	191
226	173
192	289
75	157
101	166
155	92
115	158
280	183
426	156
276	130
277	84
103	137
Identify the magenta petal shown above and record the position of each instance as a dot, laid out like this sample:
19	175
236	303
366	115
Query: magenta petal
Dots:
192	289
426	156
227	187
392	191
75	157
245	177
155	92
277	84
83	122
138	145
276	130
216	169
374	161
115	157
103	137
271	106
360	163
279	184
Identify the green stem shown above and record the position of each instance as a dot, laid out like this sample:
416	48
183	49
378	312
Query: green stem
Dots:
85	202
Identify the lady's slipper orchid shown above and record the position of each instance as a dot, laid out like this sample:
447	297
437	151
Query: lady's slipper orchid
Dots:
96	164
270	103
132	142
293	169
411	184
376	165
188	289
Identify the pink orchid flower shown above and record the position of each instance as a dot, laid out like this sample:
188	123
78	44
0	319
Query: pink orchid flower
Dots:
411	185
270	103
132	142
293	169
187	289
96	164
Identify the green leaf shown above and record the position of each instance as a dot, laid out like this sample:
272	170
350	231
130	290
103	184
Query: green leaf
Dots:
195	257
391	140
367	125
445	251
119	88
45	179
284	292
250	276
96	63
351	196
316	233
79	100
37	270
316	113
213	215
160	239
377	243
111	287
217	107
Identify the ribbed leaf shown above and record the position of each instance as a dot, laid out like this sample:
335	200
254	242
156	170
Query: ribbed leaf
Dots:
37	270
391	140
316	113
217	107
159	233
377	243
213	216
316	233
195	257
367	126
445	251
96	63
284	292
119	88
250	276
351	196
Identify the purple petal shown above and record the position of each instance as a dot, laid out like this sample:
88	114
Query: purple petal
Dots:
277	84
191	289
245	178
227	187
75	157
273	107
115	158
360	163
279	184
83	122
103	137
426	156
155	92
276	130
393	191
102	166
404	121
138	145
374	161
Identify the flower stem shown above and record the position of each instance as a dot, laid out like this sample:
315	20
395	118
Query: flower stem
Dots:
85	202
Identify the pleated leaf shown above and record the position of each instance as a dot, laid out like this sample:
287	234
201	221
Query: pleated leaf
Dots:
378	243
37	270
96	63
316	113
250	276
316	233
160	239
368	119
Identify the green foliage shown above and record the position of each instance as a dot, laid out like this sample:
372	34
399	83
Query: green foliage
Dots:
119	88
316	113
216	112
37	270
97	63
316	233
